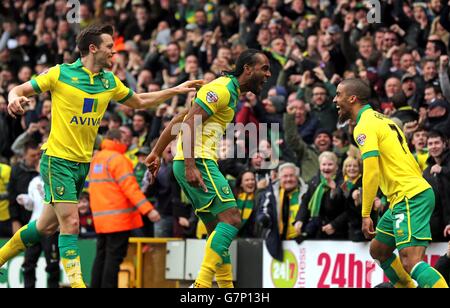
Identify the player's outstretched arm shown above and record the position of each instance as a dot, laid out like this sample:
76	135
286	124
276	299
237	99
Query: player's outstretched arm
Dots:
18	98
153	99
170	132
371	181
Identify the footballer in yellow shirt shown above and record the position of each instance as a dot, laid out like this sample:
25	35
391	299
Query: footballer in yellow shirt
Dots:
80	93
195	166
389	165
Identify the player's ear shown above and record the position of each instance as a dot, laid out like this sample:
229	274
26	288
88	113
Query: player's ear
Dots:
247	68
93	48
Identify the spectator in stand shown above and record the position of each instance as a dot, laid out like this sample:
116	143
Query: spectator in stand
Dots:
323	214
164	188
402	110
438	175
21	176
141	122
278	206
307	123
140	168
419	144
322	107
351	188
342	146
245	198
438	117
87	229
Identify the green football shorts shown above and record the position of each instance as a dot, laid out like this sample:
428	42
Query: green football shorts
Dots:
217	199
63	179
408	222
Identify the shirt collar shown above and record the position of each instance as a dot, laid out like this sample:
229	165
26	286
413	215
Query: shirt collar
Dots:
361	111
235	83
79	64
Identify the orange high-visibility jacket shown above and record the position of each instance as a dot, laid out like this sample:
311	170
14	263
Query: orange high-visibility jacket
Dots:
116	199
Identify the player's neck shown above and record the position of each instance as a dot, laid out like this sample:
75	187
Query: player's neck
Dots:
243	84
89	63
355	112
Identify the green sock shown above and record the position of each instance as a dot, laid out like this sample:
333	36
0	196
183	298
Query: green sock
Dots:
225	234
30	235
70	258
397	275
427	277
24	237
216	254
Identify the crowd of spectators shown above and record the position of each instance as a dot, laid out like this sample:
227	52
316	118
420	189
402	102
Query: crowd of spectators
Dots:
314	191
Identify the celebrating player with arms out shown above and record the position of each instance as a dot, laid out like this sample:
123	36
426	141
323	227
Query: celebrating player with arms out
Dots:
81	92
195	164
389	164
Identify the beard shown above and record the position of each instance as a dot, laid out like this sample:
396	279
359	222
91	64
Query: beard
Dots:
256	85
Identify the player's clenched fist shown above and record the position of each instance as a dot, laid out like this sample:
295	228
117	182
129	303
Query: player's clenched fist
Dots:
15	107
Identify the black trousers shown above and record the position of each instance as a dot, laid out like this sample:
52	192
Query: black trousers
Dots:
49	245
6	228
111	250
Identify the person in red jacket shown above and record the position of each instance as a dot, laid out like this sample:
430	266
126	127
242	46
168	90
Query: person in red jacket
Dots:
117	204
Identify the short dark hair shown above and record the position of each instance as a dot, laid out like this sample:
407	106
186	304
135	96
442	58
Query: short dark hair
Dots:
399	100
319	85
440	45
116	118
113	134
437	89
341	135
420	128
144	114
425	61
30	145
91	35
358	88
84	195
438	134
247	57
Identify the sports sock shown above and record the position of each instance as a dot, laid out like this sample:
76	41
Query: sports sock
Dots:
224	276
70	258
394	270
427	277
216	253
26	236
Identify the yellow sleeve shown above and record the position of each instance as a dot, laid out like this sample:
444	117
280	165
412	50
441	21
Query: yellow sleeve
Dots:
212	98
46	80
371	181
367	140
122	93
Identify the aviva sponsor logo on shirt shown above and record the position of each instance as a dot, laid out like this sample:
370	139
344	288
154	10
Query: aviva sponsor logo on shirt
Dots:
90	105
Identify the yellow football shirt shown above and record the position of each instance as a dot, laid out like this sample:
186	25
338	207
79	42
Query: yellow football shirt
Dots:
79	101
5	173
218	98
400	175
